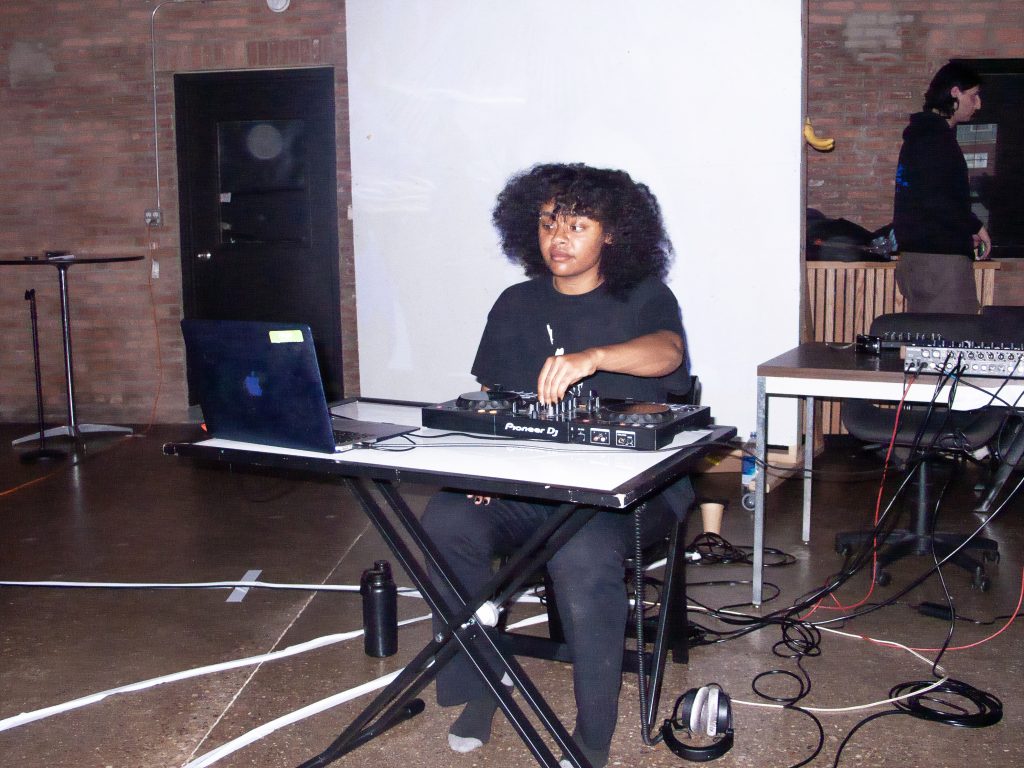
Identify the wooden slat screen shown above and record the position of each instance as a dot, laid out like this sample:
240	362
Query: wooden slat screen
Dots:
844	297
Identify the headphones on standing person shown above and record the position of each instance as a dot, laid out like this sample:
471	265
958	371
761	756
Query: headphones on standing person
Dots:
703	711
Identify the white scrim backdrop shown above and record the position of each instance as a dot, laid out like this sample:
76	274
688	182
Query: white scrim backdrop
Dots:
701	101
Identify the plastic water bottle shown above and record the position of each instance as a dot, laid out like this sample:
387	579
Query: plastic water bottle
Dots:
748	473
380	610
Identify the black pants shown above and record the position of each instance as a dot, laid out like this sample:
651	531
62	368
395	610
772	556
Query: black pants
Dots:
588	577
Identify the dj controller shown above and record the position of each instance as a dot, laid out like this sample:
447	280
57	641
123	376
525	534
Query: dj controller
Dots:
584	420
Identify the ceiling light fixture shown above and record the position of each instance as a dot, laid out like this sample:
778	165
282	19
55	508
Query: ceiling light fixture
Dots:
278	5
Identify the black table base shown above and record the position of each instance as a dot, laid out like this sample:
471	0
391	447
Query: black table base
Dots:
398	701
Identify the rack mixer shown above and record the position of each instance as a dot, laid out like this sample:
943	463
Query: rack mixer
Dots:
971	358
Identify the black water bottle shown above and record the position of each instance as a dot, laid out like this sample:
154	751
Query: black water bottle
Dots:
380	610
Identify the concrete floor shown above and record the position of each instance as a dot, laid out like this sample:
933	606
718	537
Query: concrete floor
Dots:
123	512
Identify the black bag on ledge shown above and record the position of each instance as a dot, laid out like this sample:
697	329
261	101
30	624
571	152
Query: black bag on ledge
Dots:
842	240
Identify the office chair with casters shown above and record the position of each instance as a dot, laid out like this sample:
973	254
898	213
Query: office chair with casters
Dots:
1011	456
936	433
1009	320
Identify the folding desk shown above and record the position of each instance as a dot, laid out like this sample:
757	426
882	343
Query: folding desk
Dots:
577	478
829	371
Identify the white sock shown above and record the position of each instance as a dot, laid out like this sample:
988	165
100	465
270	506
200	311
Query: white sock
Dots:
474	724
463	744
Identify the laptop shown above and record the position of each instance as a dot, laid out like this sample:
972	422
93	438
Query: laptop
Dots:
259	382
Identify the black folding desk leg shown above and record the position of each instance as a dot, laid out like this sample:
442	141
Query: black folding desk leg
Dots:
547	540
672	602
504	585
463	629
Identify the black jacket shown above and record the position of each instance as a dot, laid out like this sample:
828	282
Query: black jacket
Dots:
932	203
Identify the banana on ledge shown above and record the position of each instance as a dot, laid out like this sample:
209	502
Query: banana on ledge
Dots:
817	142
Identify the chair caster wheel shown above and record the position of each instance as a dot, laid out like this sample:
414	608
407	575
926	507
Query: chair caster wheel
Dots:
883	579
748	502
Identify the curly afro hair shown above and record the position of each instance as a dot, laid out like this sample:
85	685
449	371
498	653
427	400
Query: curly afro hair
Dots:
638	246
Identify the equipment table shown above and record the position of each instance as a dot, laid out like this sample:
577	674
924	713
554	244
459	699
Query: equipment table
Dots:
577	479
822	370
72	429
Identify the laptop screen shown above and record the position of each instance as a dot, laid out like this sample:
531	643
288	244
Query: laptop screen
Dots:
259	382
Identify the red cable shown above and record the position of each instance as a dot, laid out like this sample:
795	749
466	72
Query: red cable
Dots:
878	506
28	483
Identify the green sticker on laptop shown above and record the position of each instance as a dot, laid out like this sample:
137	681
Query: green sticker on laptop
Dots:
291	336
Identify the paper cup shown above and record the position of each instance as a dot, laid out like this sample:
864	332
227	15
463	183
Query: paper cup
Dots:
711	516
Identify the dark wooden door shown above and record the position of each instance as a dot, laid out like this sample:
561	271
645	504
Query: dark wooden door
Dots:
258	194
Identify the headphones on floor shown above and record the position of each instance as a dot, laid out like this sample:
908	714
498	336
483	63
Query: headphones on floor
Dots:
705	712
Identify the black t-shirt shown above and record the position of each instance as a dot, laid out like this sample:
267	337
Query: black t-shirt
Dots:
530	321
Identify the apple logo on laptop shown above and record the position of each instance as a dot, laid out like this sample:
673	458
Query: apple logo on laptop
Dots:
252	384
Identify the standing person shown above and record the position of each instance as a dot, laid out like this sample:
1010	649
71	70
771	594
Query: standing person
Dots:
594	310
937	233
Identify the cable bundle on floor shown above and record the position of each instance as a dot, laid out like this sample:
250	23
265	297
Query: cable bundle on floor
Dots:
712	549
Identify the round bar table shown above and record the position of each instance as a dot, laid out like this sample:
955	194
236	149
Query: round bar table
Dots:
72	429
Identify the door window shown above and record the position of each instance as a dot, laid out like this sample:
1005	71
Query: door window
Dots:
262	169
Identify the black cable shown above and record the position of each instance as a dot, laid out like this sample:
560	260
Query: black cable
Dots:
715	550
853	564
638	601
821	734
802	641
857	727
732	606
807	600
938	572
988	709
924	576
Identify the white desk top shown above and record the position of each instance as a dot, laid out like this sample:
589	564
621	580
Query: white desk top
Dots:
585	468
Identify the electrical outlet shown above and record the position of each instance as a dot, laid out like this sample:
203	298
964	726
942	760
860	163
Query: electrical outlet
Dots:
154	217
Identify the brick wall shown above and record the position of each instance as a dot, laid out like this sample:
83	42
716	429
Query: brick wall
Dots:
77	153
76	149
868	65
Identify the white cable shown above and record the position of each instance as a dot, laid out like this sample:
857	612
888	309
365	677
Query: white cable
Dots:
293	717
28	717
24	718
526	597
315	708
855	707
836	710
185	585
39	714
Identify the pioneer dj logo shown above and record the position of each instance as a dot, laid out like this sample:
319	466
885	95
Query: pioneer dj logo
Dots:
546	431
